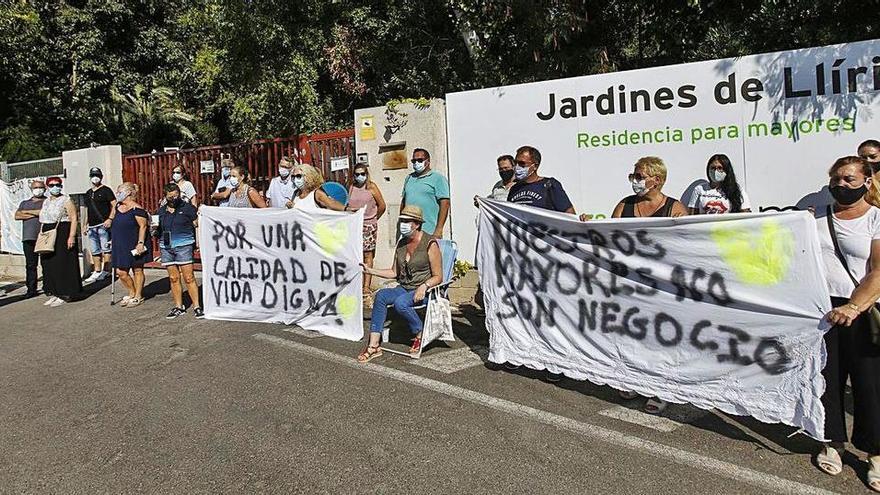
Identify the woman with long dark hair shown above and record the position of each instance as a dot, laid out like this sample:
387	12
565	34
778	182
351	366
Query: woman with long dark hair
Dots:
724	194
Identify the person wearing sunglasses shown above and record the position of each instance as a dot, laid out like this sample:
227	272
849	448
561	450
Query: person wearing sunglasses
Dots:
647	180
281	189
870	152
427	190
364	193
309	196
61	277
533	190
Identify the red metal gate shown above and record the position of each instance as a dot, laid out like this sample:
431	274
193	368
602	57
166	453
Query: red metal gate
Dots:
153	170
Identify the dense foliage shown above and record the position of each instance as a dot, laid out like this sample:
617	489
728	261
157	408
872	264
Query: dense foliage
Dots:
153	73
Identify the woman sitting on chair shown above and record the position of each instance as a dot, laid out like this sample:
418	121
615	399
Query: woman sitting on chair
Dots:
417	267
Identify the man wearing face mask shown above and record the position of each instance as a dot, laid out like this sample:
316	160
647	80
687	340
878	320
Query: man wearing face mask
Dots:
429	191
501	189
533	190
29	214
224	187
100	203
281	188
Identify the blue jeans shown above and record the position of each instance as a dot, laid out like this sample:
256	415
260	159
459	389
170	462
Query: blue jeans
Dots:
99	240
402	300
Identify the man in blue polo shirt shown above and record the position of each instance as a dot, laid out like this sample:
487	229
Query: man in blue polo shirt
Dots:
428	191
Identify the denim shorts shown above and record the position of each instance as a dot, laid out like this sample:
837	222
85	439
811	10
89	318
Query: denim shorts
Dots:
180	255
99	240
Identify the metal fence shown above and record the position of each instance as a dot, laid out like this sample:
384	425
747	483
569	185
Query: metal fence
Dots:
46	167
152	171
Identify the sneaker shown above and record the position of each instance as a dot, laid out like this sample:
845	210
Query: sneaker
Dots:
512	367
199	313
50	301
175	313
57	302
92	278
102	276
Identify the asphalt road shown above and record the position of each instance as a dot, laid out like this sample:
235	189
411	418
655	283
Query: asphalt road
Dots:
96	398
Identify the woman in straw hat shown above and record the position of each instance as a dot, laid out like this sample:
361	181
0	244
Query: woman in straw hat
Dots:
417	267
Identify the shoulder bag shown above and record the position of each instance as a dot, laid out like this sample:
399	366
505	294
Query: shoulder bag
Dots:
873	311
46	241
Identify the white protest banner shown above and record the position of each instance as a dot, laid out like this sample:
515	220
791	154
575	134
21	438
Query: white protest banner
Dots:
782	118
720	311
284	266
11	195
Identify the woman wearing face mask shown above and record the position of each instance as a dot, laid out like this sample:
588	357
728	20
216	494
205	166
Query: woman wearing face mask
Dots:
177	240
224	188
417	267
129	252
61	276
309	196
849	237
364	193
647	180
723	195
243	195
187	191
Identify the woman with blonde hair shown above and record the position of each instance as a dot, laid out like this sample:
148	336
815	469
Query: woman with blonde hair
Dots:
364	193
128	250
309	196
241	194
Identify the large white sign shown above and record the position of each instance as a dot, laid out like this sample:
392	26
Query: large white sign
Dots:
11	195
720	311
284	266
782	118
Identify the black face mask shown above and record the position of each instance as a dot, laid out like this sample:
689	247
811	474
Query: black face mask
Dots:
875	167
174	203
847	196
506	175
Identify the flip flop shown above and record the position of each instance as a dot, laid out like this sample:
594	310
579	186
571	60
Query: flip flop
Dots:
828	460
874	473
655	406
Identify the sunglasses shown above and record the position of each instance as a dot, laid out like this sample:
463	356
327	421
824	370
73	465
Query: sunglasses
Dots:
417	160
638	177
523	164
298	176
360	175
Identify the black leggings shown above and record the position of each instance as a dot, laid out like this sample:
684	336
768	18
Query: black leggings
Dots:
851	354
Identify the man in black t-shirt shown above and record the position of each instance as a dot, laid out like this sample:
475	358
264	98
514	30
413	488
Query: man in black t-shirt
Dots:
101	208
533	190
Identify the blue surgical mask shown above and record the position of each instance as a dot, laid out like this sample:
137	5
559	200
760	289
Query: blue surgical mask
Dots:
55	190
233	181
299	182
719	175
225	171
419	167
176	176
406	229
360	178
121	195
520	173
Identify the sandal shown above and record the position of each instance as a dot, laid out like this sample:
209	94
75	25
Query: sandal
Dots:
655	406
370	352
828	460
134	301
125	300
416	345
627	395
874	473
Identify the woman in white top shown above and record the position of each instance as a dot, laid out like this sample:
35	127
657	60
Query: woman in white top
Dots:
61	275
180	177
851	353
309	196
724	195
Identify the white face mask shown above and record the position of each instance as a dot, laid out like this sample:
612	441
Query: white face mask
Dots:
639	187
96	180
299	182
419	167
233	181
719	175
38	192
283	172
406	229
176	176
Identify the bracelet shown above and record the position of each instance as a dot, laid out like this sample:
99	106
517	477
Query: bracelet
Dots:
140	242
853	307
